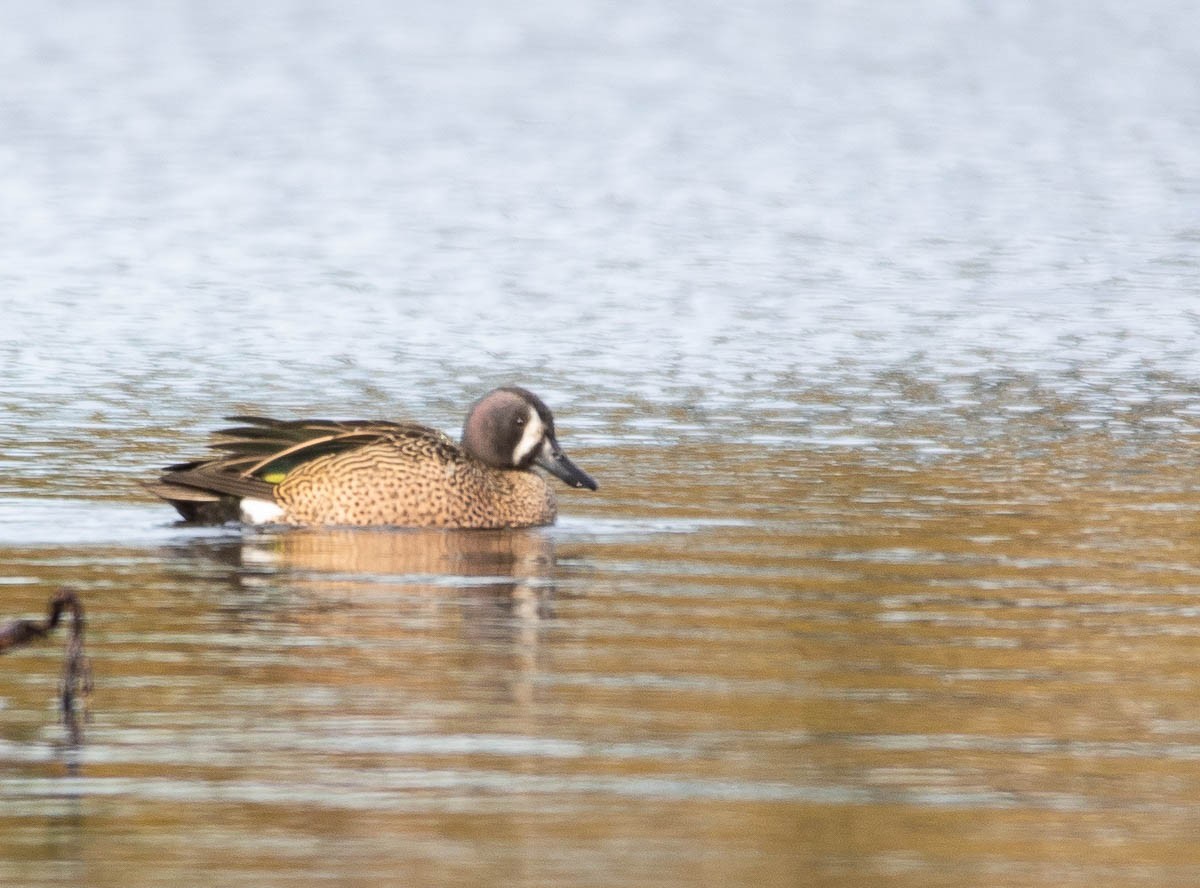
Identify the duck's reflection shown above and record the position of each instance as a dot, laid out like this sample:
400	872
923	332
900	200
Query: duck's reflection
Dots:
477	596
516	554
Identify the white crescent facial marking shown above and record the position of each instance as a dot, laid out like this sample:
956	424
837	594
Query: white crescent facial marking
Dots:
531	438
256	511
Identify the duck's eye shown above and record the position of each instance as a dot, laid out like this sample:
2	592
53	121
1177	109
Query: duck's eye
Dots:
520	421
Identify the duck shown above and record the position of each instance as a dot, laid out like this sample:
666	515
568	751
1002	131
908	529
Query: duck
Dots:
371	473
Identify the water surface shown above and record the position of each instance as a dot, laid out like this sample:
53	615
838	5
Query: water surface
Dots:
877	328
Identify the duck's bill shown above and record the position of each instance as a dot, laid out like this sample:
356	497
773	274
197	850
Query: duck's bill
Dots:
556	463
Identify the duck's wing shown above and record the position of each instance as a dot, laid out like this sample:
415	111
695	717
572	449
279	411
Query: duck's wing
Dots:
259	452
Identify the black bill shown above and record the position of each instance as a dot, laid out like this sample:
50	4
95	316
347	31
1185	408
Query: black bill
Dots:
556	463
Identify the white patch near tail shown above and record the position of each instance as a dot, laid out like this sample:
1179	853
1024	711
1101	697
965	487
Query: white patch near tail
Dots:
257	511
531	438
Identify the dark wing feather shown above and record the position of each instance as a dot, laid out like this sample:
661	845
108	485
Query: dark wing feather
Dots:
215	477
261	445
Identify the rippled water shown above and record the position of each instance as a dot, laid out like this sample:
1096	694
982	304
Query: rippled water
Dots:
876	325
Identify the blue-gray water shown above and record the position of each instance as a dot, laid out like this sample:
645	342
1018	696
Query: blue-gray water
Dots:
876	322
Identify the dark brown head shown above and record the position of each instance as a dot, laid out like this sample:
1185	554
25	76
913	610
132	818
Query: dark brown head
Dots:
510	428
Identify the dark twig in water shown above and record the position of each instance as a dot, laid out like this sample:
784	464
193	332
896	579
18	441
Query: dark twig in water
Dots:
77	672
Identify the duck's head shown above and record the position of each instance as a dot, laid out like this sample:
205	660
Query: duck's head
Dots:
510	428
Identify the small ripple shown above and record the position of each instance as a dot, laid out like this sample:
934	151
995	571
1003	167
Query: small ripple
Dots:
391	789
621	528
34	521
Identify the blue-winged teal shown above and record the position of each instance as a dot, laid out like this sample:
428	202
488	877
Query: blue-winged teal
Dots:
319	472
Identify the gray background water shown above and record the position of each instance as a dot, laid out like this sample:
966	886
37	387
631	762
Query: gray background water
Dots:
766	260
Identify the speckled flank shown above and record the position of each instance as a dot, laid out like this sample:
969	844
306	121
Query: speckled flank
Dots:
414	481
